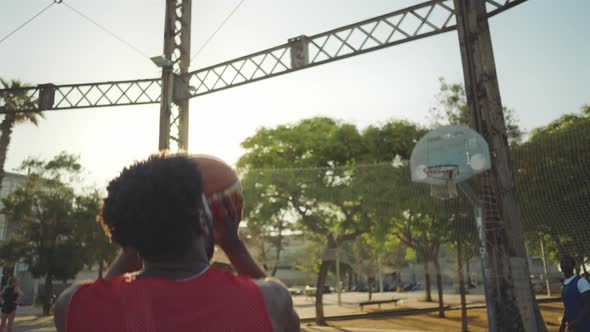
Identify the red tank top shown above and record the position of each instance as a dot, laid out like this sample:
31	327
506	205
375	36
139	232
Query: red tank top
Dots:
216	300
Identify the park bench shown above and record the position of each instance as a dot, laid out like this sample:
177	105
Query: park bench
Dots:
380	302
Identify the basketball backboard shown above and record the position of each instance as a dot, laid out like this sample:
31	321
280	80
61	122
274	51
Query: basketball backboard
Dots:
449	155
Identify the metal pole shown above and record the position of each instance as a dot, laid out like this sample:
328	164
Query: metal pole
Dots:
545	269
485	270
338	288
184	63
514	304
175	77
167	78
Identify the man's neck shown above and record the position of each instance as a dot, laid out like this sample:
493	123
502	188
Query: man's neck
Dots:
175	269
568	275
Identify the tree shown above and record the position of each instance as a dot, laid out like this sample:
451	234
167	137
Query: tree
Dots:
317	168
96	245
412	216
312	185
551	177
266	219
16	99
46	213
451	109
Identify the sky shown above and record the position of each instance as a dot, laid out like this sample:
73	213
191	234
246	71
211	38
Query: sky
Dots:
541	51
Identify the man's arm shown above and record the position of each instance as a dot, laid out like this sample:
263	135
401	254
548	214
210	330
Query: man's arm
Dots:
128	261
279	305
60	314
562	325
242	260
227	213
585	313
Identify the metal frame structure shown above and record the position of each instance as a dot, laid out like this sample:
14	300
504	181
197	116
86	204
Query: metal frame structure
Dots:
405	25
510	303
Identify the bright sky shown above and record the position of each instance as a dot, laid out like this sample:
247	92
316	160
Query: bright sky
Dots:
541	52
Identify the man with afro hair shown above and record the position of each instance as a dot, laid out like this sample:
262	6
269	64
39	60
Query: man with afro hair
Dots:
162	280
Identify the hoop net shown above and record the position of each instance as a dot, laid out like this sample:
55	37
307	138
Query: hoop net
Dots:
443	181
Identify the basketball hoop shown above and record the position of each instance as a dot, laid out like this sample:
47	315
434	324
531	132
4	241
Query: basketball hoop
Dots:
443	184
447	156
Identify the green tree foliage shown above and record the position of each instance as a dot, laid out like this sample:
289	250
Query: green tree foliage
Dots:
451	108
52	225
96	245
306	171
552	182
314	191
14	100
267	225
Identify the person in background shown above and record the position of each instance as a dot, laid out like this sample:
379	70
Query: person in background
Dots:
162	280
576	299
10	297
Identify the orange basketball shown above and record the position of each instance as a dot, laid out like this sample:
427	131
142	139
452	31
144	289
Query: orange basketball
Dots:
217	175
219	180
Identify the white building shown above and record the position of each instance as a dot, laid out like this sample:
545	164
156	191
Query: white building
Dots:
10	183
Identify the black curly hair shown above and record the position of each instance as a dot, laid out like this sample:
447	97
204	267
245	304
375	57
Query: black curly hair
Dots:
154	204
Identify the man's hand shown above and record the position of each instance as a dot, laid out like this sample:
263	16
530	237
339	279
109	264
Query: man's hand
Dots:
128	261
227	213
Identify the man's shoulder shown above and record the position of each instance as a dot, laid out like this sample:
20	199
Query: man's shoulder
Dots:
583	285
279	304
81	291
62	305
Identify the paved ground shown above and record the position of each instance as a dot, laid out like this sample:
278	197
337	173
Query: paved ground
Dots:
305	306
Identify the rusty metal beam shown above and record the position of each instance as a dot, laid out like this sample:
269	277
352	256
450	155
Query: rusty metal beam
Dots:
402	26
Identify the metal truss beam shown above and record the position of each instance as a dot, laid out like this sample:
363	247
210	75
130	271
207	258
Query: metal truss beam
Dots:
405	25
177	46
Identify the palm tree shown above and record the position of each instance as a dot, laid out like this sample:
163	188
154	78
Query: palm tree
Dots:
15	99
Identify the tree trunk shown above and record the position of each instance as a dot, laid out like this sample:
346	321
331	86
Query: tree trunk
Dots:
468	271
584	269
319	304
427	282
5	134
100	268
439	287
349	283
399	282
277	256
461	287
279	246
370	281
48	298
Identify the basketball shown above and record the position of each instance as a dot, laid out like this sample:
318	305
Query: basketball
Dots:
219	180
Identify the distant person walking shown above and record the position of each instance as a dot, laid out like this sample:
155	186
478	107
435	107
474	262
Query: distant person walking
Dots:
576	299
10	298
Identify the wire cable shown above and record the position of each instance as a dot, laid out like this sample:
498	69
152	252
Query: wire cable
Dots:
26	22
218	29
111	33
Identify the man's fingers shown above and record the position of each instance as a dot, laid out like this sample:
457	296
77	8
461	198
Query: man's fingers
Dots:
230	207
218	211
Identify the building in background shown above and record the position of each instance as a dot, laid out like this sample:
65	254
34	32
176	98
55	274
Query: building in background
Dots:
28	285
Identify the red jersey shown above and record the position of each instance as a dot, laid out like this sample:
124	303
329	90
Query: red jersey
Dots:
215	300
